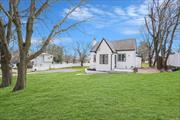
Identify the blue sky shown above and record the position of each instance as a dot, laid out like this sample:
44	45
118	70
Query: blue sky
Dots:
110	19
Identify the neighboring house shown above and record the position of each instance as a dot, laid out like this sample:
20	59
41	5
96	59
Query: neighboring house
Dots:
42	62
174	60
114	55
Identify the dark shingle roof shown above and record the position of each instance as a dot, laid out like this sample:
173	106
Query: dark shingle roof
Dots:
118	45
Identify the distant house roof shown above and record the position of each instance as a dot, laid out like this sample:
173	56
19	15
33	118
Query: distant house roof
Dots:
117	45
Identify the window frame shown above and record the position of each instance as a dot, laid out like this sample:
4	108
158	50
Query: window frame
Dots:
103	59
121	57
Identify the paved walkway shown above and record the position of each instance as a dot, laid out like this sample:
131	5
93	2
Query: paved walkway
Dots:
50	71
57	71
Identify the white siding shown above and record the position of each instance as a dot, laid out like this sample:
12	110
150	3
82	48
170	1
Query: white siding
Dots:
103	49
130	60
129	64
174	60
92	63
48	58
42	62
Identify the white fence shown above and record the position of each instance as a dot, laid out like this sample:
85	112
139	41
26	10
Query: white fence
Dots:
56	66
64	65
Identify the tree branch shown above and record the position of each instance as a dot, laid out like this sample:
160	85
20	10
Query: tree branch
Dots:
17	22
3	41
54	31
69	27
147	26
29	26
5	12
69	13
9	25
42	8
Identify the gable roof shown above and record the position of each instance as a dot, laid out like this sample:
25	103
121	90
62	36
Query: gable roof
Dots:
96	46
117	45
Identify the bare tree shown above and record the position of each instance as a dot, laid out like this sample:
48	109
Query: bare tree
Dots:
162	23
33	12
56	51
74	57
66	57
149	44
143	50
5	38
82	50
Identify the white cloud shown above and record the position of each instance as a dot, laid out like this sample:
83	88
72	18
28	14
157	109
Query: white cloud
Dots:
57	41
130	31
132	11
80	13
104	17
36	40
96	11
119	11
89	12
135	21
62	40
143	9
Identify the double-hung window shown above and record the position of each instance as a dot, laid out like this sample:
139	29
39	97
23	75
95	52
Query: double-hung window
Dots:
122	57
103	59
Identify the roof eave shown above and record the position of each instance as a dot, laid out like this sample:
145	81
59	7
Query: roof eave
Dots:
126	50
106	43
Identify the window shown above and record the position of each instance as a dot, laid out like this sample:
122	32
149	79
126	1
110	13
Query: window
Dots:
122	57
103	59
94	58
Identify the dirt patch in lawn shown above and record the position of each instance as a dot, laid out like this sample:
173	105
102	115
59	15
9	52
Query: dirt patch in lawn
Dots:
148	70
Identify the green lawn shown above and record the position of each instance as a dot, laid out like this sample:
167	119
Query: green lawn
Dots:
67	96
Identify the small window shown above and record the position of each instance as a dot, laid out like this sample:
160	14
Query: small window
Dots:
122	57
103	59
94	58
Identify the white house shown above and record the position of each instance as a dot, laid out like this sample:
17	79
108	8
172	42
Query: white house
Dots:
42	62
174	60
117	55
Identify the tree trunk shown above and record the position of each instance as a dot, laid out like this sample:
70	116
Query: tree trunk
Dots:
156	59
6	73
165	63
150	61
159	63
154	63
21	78
81	63
6	69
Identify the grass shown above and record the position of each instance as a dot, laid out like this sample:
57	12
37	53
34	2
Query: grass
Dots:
145	65
67	96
